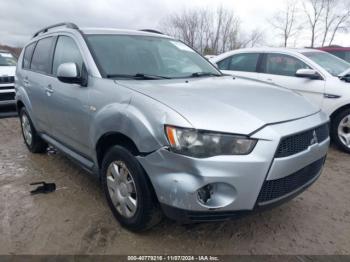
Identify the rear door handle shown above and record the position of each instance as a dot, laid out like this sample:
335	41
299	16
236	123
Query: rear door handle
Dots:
269	80
26	82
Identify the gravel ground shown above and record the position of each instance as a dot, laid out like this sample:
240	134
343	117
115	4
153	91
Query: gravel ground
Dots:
76	220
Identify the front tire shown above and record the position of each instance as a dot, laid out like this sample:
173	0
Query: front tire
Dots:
340	130
128	191
33	141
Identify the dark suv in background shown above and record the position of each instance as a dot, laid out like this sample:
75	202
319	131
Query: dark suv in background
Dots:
339	51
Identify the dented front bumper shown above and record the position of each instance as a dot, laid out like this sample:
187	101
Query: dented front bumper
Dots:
236	180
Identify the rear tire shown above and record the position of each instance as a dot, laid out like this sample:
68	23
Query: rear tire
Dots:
33	141
340	130
128	190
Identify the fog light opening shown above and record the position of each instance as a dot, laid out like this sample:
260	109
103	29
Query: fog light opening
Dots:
204	194
216	195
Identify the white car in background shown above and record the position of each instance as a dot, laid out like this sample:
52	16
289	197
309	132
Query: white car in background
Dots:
7	78
319	76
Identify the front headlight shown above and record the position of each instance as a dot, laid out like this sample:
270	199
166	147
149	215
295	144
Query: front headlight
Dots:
202	144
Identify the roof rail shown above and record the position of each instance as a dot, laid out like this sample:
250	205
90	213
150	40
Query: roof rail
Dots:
151	31
44	30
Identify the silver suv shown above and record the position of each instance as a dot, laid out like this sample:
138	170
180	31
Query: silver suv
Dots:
164	130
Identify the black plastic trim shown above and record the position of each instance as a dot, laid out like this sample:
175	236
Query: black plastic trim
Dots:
188	217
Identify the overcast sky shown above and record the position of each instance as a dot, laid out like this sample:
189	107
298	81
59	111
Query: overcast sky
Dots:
19	19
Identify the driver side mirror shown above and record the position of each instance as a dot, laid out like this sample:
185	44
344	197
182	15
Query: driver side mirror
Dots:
69	73
308	73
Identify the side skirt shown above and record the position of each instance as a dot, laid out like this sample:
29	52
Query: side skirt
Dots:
82	161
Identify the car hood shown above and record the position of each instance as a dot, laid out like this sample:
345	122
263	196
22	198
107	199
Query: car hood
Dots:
225	104
7	70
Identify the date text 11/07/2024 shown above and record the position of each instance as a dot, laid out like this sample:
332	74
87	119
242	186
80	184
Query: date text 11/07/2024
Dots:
173	258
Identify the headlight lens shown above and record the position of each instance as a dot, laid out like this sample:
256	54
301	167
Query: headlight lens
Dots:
202	144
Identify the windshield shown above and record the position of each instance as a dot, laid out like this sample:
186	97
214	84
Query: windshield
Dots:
130	55
332	64
7	59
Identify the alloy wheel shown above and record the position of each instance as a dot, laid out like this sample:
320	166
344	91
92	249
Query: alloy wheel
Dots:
27	130
344	131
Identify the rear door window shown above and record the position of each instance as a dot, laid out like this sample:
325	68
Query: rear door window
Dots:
28	52
42	57
284	65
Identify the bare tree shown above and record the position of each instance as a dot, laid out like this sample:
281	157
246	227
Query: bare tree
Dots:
335	17
313	10
329	18
230	29
203	30
254	38
340	25
208	31
285	21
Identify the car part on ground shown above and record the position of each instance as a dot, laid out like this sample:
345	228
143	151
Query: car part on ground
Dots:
44	188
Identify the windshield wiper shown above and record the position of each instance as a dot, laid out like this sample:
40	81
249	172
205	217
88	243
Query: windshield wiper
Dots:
137	76
200	74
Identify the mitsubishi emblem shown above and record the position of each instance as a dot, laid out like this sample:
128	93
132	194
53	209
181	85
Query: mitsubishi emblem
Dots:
314	139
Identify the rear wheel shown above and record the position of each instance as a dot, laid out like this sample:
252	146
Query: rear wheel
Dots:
340	130
33	141
129	193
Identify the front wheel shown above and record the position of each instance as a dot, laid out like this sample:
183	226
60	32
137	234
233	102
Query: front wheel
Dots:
128	191
340	130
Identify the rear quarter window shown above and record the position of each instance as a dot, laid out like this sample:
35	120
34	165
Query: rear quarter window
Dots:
28	52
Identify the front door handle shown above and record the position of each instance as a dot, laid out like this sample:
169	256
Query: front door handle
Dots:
49	90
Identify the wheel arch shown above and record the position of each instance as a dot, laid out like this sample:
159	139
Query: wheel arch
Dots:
19	106
110	139
338	110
